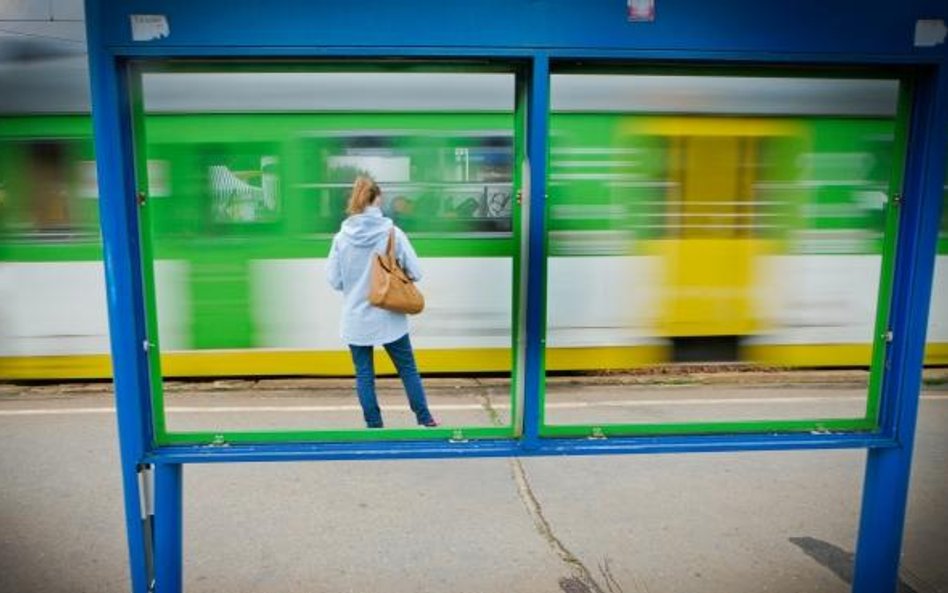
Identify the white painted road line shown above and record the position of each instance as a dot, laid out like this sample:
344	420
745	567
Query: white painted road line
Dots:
455	407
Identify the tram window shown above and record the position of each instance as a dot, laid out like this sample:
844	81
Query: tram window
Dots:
48	193
728	186
40	192
433	182
242	188
713	199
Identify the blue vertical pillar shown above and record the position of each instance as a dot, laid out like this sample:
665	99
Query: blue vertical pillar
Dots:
118	211
538	106
885	491
168	528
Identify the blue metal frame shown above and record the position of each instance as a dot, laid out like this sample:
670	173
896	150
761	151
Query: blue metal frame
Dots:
798	29
885	491
538	106
122	258
536	33
513	448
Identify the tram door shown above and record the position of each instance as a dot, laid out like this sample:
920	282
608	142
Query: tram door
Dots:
714	236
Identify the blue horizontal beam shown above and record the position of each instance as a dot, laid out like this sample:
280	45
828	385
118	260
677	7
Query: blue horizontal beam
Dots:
801	27
315	51
513	53
512	448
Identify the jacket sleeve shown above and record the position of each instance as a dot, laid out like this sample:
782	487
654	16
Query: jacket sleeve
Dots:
334	266
406	256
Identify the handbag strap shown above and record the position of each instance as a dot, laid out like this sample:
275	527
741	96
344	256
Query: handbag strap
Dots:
390	249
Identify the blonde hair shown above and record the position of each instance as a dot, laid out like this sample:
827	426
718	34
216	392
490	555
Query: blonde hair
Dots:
364	193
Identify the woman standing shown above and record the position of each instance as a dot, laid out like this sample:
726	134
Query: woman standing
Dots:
364	233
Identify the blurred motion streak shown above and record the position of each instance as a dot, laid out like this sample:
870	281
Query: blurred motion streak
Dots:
690	219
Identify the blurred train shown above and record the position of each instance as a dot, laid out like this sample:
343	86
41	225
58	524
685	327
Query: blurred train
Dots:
689	219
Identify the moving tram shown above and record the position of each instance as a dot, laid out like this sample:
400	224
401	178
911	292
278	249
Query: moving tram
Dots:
689	218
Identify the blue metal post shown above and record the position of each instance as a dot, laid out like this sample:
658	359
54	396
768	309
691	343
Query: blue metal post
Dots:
885	491
119	222
168	528
538	104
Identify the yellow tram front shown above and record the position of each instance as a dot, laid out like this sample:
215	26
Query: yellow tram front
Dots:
728	189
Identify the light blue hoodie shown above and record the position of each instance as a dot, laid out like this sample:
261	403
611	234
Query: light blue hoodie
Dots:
349	270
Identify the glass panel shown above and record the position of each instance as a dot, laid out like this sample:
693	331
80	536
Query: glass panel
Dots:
258	170
710	236
936	350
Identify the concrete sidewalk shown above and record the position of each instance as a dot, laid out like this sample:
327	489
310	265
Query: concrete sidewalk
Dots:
779	522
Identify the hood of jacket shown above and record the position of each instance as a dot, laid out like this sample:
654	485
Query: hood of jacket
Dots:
366	229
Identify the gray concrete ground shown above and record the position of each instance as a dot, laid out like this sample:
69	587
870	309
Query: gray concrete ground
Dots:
735	522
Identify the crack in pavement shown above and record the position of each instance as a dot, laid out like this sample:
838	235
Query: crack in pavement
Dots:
582	580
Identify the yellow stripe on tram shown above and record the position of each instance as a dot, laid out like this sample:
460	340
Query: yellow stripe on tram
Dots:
804	355
236	363
78	366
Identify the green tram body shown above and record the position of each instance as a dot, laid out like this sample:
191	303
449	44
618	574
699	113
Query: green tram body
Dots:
815	173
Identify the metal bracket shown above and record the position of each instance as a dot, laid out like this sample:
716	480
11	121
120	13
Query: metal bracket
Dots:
887	336
141	197
897	198
219	441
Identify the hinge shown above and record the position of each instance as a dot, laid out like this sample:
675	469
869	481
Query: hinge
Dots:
141	196
897	198
146	490
146	501
887	336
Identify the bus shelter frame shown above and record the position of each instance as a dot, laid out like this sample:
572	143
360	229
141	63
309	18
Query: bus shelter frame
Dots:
152	473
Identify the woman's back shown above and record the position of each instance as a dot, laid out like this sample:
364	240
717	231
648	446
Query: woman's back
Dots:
349	266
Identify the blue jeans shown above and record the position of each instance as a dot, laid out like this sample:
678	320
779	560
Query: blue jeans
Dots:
404	360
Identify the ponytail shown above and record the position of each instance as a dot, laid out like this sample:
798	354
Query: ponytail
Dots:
364	193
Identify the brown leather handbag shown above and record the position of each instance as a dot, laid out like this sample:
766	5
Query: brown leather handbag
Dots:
391	288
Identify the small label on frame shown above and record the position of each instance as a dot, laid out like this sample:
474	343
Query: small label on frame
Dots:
641	10
930	32
147	27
